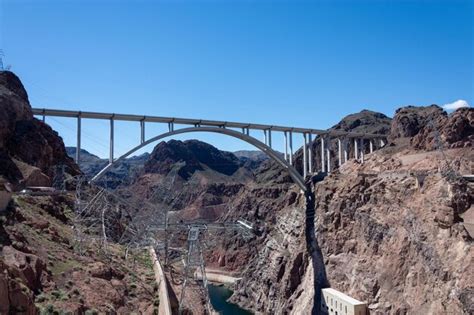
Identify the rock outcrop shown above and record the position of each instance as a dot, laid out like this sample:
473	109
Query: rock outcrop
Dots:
430	128
25	140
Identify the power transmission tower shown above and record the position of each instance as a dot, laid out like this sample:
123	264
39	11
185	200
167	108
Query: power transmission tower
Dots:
59	182
194	260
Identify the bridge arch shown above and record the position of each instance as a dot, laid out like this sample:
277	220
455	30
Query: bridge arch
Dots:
297	178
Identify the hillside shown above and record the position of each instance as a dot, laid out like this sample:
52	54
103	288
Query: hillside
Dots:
46	266
194	179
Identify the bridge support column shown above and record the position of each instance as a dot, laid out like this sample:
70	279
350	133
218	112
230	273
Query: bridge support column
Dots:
328	154
362	150
78	140
142	131
305	157
291	147
356	148
382	143
346	153
339	151
170	126
323	155
270	138
265	136
310	154
371	145
286	145
111	146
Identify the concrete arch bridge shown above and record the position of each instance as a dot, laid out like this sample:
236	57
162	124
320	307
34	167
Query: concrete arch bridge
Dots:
236	130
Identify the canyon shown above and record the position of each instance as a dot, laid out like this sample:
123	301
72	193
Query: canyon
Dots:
392	231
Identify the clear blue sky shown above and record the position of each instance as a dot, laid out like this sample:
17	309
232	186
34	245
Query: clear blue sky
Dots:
288	62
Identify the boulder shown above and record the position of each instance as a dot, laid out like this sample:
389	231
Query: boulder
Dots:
100	270
408	121
14	299
28	267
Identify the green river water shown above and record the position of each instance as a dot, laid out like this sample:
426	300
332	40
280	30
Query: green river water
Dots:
219	296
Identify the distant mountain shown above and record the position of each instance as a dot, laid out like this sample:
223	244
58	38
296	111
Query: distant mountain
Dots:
365	121
190	177
123	173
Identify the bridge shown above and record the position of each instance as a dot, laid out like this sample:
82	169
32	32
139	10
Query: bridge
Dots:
237	130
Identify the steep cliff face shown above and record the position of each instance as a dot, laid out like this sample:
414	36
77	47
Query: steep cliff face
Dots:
391	229
29	149
391	233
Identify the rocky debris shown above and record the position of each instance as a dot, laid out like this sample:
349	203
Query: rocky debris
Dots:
100	270
40	267
26	140
15	297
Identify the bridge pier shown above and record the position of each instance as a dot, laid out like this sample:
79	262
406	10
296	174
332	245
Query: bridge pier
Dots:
111	146
356	149
346	152
362	150
291	147
382	143
310	153
339	151
142	130
270	138
328	153
78	140
305	153
170	126
371	145
323	153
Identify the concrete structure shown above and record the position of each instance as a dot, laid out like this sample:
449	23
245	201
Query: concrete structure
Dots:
228	128
338	303
334	302
216	276
165	307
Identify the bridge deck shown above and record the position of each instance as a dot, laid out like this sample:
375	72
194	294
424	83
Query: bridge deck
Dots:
193	122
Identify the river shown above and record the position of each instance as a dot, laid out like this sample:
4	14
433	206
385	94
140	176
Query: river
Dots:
219	296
